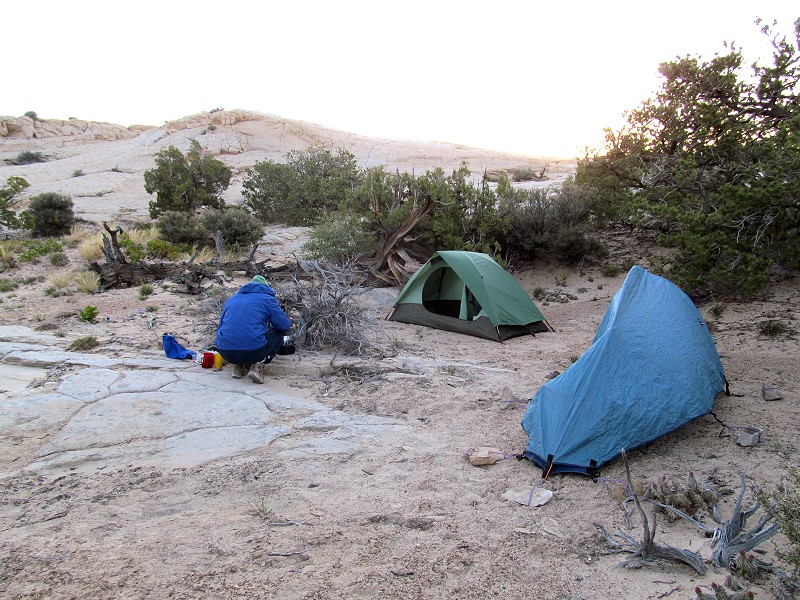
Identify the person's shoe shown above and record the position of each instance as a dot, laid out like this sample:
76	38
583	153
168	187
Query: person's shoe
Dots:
240	371
256	374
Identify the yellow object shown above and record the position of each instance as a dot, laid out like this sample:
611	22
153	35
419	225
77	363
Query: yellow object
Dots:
217	360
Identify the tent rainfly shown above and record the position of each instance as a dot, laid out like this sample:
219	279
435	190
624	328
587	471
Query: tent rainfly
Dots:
652	368
468	292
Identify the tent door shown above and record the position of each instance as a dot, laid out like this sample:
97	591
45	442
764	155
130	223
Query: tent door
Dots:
469	305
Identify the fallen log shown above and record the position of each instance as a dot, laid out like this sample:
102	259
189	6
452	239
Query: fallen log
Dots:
124	274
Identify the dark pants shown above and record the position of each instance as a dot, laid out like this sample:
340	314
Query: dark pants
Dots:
264	354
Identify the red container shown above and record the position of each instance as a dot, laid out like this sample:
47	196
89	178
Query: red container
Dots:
208	360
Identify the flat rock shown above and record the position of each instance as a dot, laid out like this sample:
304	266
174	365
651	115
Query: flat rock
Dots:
52	358
17	378
125	418
185	449
527	496
25	413
331	420
150	410
90	384
326	445
20	334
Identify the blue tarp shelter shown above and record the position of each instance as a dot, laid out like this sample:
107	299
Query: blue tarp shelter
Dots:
652	368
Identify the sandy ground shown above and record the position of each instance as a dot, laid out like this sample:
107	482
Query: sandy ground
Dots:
407	516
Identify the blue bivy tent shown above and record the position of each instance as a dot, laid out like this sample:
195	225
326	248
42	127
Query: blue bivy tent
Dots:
652	368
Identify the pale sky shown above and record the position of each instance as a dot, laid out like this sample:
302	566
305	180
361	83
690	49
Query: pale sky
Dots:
537	78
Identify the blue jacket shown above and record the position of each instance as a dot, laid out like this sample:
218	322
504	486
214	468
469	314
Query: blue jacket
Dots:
245	315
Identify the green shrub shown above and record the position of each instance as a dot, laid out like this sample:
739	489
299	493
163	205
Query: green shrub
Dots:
9	199
77	173
59	259
709	162
84	343
181	228
338	238
551	221
609	270
158	248
31	114
88	314
35	250
135	252
526	174
310	184
239	228
717	310
145	290
773	328
784	504
52	214
27	157
8	285
186	183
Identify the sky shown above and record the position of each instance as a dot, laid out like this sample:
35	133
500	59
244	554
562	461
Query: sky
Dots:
528	77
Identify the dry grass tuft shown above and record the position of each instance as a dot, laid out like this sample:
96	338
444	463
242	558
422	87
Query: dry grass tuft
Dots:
8	258
86	281
204	254
77	234
61	281
91	248
229	256
142	236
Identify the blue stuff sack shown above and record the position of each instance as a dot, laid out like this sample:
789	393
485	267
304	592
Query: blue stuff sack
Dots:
173	349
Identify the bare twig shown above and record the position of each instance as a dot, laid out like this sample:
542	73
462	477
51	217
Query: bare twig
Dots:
325	307
648	551
733	537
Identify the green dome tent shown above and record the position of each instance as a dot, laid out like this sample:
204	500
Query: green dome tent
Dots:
468	292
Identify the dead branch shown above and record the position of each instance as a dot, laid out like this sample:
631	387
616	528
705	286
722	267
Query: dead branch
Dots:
325	308
115	274
733	538
219	246
681	514
361	372
648	551
388	263
111	249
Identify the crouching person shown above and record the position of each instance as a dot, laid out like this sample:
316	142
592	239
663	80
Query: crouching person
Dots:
251	329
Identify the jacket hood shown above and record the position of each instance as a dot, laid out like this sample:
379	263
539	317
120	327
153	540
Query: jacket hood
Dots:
256	288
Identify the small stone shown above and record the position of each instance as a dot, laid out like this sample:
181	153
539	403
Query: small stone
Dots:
770	392
485	456
528	496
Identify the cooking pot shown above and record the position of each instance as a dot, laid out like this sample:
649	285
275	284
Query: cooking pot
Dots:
288	346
